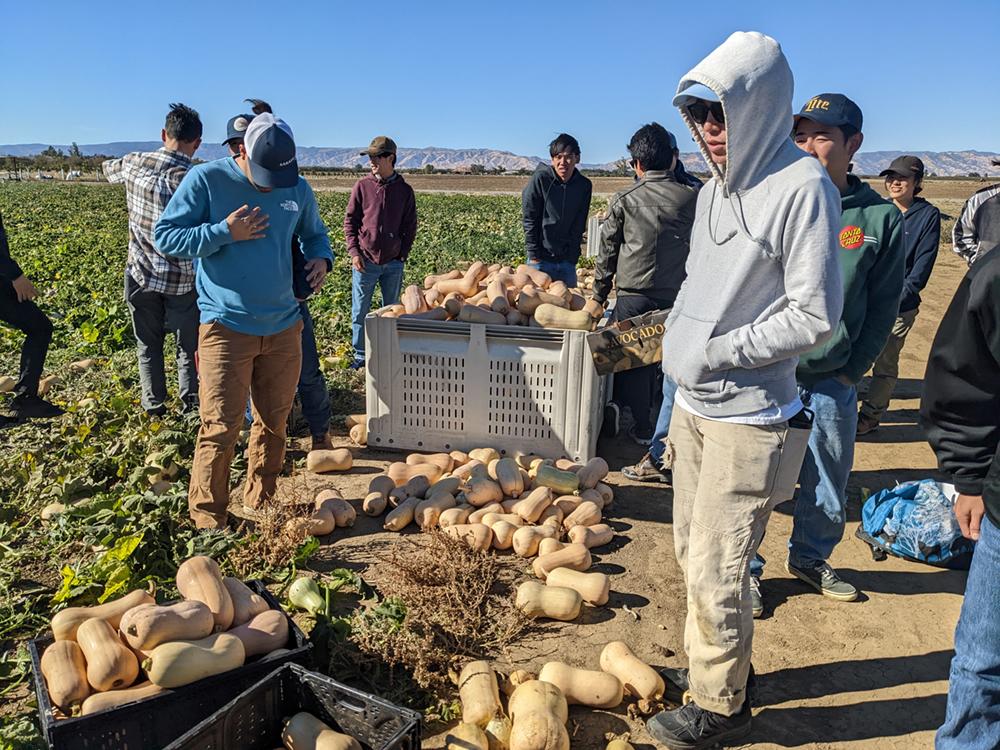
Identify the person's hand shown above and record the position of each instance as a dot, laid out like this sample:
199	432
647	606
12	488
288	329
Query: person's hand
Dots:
247	223
24	289
358	263
316	272
969	509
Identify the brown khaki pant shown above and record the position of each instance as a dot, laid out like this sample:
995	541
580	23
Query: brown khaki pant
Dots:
727	478
885	371
231	365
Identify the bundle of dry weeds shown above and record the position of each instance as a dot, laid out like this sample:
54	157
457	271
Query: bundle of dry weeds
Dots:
454	603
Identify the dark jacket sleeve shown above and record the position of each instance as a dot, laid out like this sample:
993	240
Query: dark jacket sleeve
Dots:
612	236
924	254
579	225
960	409
532	208
352	221
885	280
9	270
408	226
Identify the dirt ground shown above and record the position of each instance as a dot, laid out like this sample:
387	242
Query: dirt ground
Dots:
869	674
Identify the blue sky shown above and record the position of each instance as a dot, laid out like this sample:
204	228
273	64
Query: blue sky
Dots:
505	75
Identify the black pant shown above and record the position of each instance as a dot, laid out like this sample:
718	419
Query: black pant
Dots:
634	388
33	323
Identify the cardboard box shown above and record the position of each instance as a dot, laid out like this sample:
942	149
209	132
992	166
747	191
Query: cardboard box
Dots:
629	343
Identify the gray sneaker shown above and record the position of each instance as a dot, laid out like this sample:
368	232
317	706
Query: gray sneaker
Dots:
756	600
825	580
646	471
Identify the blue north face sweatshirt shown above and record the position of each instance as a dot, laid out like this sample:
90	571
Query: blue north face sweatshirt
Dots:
245	286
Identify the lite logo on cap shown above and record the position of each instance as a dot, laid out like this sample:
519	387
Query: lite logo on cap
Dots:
816	103
270	148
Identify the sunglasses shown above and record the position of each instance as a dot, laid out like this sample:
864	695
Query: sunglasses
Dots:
701	109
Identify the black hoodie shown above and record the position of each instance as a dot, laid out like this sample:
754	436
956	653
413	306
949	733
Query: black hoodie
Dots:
960	409
555	214
922	233
9	270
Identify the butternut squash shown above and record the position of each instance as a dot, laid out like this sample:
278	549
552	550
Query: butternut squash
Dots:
455	516
417	486
375	503
465	471
559	289
527	539
427	513
511	682
65	671
530	507
479	516
592	472
512	518
66	621
413	300
498	733
178	663
433	298
442	460
606	492
475	314
305	732
433	279
145	628
565	464
476	535
496	293
550	545
574	556
199	579
578	302
453	304
593	587
482	492
534	695
116	698
516	318
479	693
397	496
484	455
592	536
593	496
538	713
553	316
445	484
460	458
109	664
553	515
246	604
637	677
435	313
402	515
401	473
509	476
343	512
381	484
321	461
585	514
539	278
466	737
567	504
561	482
594	308
553	602
352	419
503	534
263	634
320	523
583	686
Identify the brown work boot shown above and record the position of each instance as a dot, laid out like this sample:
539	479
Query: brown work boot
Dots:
866	424
322	442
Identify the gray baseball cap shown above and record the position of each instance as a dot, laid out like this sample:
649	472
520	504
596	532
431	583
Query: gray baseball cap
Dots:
270	147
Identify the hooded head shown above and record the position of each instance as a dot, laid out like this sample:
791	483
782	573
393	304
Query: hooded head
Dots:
749	75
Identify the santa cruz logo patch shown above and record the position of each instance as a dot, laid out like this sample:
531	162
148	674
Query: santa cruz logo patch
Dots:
851	238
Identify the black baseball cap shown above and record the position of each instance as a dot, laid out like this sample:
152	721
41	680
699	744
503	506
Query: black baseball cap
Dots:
236	128
835	110
907	166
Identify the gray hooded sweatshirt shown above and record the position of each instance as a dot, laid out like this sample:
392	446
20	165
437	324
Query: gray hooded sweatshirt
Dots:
763	282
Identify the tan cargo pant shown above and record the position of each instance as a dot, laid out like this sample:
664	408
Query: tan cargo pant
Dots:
230	366
885	371
727	478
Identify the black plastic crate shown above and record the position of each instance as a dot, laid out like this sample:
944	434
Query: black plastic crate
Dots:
155	722
254	720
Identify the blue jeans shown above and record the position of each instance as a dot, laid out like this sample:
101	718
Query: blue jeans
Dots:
819	517
559	270
972	721
656	447
389	277
312	385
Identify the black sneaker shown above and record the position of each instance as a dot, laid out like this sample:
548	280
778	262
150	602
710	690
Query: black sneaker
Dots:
612	420
691	727
756	598
357	364
157	411
28	406
8	421
675	683
825	580
646	471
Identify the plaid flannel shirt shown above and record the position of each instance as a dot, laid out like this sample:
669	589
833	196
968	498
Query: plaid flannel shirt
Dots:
150	180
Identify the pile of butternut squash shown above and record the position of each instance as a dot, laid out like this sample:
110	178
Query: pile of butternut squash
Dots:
132	648
497	295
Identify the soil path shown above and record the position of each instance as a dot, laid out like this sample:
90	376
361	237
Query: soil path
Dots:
870	674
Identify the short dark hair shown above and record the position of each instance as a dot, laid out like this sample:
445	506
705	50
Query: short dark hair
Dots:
848	131
651	147
564	142
183	123
259	106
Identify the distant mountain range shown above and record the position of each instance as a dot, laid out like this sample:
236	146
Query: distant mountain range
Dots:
943	163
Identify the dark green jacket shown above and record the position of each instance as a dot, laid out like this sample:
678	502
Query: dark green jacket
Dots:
871	266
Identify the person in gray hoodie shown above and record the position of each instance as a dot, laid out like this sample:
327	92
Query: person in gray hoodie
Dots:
763	286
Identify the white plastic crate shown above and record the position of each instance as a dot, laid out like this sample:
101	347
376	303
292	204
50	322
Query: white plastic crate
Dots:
433	386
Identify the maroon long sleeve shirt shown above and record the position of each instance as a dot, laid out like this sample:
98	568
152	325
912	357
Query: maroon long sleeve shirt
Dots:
381	220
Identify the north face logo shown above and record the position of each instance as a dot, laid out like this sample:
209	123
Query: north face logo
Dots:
290	205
